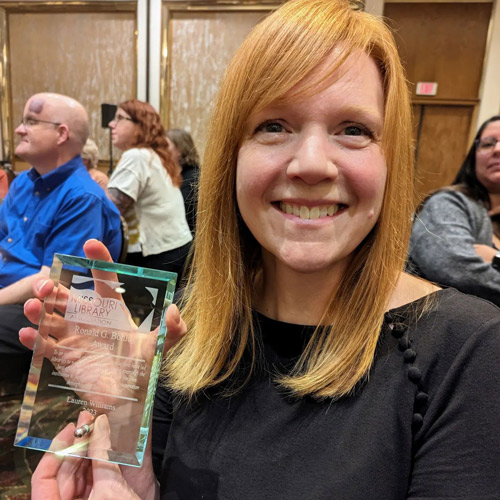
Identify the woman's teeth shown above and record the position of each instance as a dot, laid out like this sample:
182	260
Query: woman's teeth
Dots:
309	213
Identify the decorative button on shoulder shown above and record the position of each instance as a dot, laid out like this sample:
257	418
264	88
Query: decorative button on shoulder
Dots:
399	329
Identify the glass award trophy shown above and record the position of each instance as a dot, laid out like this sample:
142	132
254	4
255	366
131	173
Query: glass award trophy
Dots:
98	352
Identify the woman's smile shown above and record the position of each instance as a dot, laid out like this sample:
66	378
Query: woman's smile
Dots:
310	211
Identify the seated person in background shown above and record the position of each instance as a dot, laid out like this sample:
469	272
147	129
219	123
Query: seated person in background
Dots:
148	180
183	151
4	184
452	241
90	157
53	207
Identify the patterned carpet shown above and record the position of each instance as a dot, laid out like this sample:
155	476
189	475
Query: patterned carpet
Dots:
17	464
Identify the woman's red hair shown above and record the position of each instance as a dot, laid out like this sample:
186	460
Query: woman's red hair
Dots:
151	134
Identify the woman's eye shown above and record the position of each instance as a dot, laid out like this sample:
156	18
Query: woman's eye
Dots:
356	131
355	136
270	127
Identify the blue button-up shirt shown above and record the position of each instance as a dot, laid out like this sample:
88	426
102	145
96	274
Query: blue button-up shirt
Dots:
55	212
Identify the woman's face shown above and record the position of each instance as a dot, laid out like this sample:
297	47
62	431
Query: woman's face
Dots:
488	159
311	174
174	152
123	130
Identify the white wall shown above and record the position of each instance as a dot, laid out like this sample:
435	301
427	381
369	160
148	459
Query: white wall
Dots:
375	7
490	86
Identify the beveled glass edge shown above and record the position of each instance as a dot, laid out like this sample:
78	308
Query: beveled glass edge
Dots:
153	377
101	265
23	440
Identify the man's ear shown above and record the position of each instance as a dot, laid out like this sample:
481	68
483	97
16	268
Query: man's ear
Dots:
63	132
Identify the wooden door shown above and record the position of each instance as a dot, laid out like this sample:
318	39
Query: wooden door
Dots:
443	43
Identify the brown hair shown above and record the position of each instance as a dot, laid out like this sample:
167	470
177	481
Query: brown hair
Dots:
151	134
277	55
184	143
466	180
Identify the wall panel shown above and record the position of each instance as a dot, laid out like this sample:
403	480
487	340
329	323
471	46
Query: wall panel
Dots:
441	146
200	45
90	56
442	43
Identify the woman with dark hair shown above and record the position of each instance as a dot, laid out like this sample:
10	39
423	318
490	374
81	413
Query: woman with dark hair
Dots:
183	151
453	239
147	182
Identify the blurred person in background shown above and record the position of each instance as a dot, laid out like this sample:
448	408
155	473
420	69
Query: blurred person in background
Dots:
147	180
4	184
90	158
53	207
453	241
184	153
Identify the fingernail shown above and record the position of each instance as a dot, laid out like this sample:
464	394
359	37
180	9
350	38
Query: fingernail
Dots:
101	424
39	287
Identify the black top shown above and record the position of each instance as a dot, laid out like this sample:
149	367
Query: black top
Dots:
189	190
425	426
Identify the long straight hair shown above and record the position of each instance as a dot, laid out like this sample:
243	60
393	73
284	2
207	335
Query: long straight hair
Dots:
277	55
151	134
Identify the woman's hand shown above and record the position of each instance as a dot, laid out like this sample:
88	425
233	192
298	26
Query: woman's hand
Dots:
68	477
44	287
486	252
81	369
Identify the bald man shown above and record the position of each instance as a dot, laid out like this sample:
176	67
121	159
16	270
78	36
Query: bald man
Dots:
53	207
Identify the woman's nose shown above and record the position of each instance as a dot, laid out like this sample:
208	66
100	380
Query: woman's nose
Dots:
313	160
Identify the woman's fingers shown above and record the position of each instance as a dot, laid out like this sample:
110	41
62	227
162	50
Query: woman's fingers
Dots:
55	299
176	328
106	476
95	250
27	337
73	467
44	479
33	310
42	286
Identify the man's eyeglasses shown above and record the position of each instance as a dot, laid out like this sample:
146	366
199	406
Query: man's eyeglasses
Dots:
119	118
486	145
30	122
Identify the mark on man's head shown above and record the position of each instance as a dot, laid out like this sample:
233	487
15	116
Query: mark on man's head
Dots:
36	105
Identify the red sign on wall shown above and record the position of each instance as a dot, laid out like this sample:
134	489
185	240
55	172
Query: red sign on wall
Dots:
427	88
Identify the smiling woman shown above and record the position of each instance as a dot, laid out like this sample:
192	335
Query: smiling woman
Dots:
312	367
323	120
